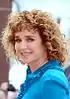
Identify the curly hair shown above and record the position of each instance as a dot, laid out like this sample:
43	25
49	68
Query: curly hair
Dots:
40	21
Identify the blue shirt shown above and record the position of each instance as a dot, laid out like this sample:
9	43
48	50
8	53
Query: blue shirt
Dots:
47	82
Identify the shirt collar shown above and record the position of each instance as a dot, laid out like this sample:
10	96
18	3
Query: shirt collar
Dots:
51	64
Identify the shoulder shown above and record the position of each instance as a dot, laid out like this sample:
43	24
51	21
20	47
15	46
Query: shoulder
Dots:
54	82
56	76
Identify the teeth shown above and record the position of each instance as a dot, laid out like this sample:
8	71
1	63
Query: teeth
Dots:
25	54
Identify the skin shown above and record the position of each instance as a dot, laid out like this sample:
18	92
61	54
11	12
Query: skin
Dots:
30	49
12	95
2	95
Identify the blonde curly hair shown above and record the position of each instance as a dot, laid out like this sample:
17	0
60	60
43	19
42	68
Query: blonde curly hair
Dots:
47	28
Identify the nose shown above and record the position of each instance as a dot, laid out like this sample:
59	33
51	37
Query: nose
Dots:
23	45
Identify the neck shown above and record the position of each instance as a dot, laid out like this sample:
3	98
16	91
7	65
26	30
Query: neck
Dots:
37	64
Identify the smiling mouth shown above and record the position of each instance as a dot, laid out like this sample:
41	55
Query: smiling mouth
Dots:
26	53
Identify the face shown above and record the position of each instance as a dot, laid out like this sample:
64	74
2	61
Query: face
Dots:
29	47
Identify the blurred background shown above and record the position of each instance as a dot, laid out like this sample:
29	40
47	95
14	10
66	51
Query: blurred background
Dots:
60	11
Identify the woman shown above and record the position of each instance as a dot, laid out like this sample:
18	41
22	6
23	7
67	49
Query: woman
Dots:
34	38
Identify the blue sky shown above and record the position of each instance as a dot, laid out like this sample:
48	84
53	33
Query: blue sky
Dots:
56	7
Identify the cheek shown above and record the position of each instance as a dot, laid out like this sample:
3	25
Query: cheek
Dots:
38	48
41	48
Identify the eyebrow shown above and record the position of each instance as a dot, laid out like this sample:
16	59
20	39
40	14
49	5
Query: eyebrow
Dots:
27	36
30	36
16	36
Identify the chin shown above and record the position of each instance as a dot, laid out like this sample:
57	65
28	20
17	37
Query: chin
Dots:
25	61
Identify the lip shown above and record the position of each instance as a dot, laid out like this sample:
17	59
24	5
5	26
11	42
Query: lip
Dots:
26	53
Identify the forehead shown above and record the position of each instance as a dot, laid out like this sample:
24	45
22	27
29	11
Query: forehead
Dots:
26	32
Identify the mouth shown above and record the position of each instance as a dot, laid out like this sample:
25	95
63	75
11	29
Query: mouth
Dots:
26	53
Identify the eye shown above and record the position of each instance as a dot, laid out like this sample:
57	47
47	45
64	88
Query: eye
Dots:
17	40
30	39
